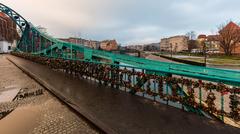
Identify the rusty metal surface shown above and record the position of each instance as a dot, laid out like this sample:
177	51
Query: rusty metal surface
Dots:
119	112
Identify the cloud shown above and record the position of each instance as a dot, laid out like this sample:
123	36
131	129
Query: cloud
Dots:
127	21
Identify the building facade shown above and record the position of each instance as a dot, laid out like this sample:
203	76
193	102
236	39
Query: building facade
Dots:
135	47
174	44
234	30
5	47
236	49
8	34
87	43
108	45
154	47
213	43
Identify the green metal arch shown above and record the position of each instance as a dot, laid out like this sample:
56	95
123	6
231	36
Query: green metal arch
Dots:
38	43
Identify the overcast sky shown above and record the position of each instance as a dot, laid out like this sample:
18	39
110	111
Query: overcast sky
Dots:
127	21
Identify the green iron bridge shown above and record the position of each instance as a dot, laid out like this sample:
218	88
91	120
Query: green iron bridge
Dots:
37	43
136	75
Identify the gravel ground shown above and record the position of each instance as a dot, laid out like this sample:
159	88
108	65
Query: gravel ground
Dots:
42	114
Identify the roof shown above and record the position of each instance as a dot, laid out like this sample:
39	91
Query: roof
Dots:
230	25
2	15
212	37
202	36
109	42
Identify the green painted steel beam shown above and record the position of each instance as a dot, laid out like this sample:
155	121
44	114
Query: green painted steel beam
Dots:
204	73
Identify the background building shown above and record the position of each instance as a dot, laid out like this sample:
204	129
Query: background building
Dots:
213	43
231	32
108	45
5	47
87	43
151	47
8	34
174	44
201	41
135	47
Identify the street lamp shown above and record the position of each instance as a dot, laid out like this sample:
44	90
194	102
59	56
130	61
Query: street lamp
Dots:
205	52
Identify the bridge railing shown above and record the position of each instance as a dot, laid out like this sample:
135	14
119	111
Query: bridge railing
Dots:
156	80
190	94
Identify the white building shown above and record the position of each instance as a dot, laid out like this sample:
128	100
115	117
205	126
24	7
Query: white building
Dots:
5	47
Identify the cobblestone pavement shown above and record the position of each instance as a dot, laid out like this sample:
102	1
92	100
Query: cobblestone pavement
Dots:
57	118
53	116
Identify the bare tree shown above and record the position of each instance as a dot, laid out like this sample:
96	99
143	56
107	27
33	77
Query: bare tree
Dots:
192	43
229	36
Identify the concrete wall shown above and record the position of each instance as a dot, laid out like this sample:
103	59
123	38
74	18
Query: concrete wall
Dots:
4	47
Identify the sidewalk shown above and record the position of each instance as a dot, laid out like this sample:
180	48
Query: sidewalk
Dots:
118	112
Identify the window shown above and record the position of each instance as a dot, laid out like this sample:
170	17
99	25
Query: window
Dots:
9	47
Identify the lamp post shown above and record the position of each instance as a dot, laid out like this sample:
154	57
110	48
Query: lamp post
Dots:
205	52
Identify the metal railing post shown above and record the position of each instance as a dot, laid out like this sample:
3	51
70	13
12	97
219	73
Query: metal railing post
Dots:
154	87
167	91
200	96
222	107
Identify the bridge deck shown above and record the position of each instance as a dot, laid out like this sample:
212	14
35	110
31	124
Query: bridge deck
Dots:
118	112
